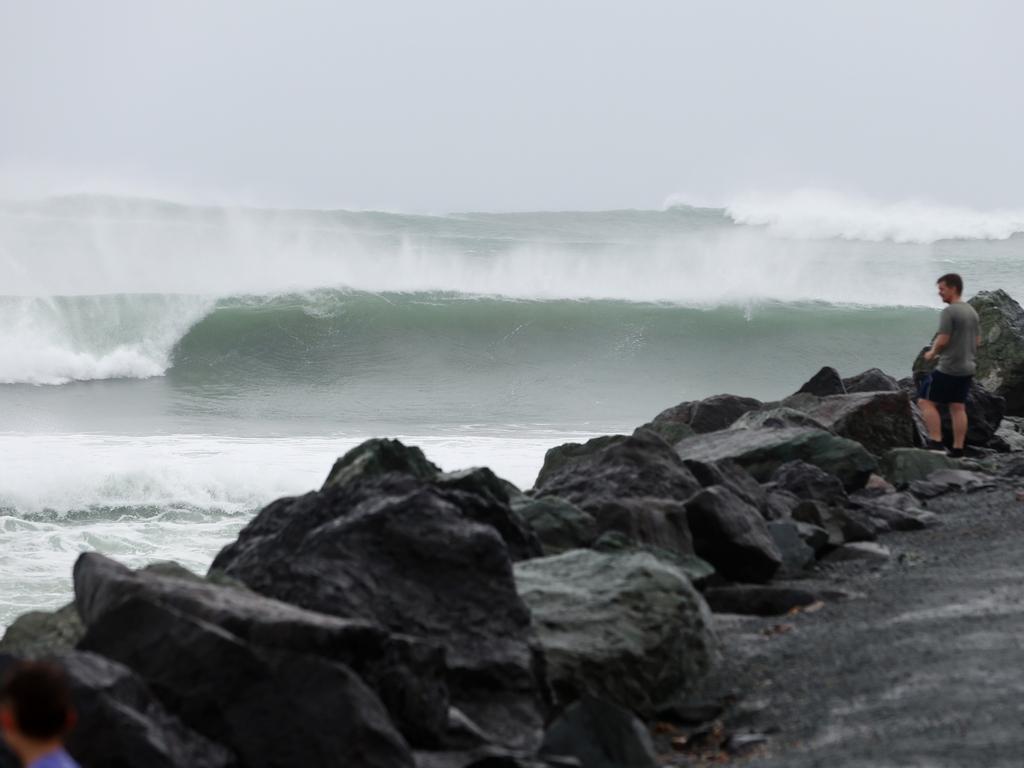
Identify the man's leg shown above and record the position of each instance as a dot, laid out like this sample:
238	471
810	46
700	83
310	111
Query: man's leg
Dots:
932	419
958	415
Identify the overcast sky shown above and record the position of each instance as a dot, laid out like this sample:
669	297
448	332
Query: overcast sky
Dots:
486	104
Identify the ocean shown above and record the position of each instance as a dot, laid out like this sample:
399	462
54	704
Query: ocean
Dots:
166	370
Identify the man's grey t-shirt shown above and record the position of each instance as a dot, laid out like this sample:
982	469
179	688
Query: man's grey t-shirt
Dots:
960	321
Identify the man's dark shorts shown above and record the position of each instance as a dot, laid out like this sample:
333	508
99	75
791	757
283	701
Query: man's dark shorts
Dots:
940	387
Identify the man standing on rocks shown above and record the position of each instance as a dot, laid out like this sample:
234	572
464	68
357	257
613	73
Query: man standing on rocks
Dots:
955	346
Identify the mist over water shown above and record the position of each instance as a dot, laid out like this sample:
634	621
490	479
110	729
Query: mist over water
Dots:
165	370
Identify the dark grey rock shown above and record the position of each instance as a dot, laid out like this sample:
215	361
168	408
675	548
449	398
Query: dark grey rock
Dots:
626	627
877	420
407	674
861	550
731	475
871	380
780	504
902	466
567	454
757	599
43	633
840	524
559	524
601	735
797	555
825	382
379	456
950	480
814	536
634	486
411	556
1001	354
776	418
898	511
806	481
700	416
762	451
732	536
120	722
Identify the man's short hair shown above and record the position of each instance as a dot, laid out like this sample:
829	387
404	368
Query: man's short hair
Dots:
39	697
953	280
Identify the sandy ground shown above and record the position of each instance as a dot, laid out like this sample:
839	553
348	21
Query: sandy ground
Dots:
926	668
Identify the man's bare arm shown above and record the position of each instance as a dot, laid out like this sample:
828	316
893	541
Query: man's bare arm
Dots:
940	343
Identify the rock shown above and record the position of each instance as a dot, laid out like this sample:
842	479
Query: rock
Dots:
877	420
776	418
896	511
947	480
825	382
902	466
43	633
762	451
806	481
559	525
601	735
797	555
732	536
871	380
634	486
757	599
568	454
491	757
626	627
1011	432
781	503
120	723
1001	354
384	549
879	483
245	696
731	475
861	550
840	524
407	674
814	536
483	496
378	456
708	415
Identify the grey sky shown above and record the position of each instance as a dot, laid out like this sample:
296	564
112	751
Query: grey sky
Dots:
486	104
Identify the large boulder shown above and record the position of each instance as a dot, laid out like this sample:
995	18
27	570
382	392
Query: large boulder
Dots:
407	674
43	633
417	557
731	475
877	420
825	382
379	456
559	524
634	486
871	380
762	451
600	734
120	722
732	536
626	627
806	481
1001	355
708	415
776	418
902	466
568	454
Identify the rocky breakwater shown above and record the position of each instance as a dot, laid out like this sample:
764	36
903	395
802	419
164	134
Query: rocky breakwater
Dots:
403	616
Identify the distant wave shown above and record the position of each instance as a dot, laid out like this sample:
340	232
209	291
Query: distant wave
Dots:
334	335
822	214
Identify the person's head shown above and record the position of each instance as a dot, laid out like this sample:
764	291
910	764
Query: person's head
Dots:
35	707
951	287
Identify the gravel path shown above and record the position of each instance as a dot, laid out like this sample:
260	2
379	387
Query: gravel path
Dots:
925	669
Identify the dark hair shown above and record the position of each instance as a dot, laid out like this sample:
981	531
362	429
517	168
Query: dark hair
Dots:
40	699
953	280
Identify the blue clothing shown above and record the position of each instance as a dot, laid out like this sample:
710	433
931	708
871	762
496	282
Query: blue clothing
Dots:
58	759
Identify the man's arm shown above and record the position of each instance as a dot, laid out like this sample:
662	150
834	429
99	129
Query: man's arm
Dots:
940	343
